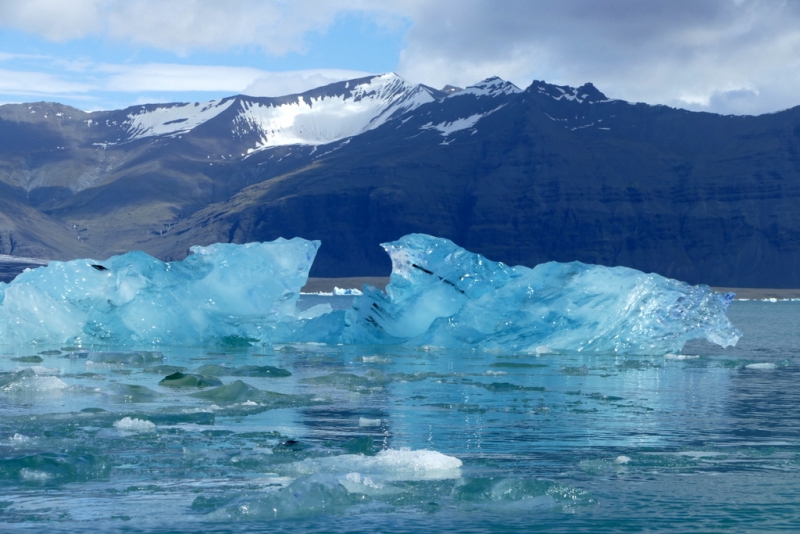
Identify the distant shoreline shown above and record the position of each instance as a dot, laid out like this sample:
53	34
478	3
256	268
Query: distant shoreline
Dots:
758	293
10	266
317	285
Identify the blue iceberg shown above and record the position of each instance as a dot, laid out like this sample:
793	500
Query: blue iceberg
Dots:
439	295
442	295
220	294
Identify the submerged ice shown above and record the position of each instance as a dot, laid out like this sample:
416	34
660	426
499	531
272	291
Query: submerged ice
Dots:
439	295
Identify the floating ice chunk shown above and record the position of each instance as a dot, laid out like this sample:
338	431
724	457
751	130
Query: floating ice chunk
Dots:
131	392
32	475
442	295
40	370
681	356
761	366
27	381
136	358
363	421
304	497
223	293
391	464
622	459
338	291
134	425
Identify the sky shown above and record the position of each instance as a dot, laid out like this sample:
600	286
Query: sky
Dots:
722	56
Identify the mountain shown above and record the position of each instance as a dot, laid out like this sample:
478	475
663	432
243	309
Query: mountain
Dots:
522	176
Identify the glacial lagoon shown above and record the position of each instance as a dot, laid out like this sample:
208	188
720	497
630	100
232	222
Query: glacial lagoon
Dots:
298	436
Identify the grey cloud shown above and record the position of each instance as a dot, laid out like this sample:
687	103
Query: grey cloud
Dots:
684	53
716	55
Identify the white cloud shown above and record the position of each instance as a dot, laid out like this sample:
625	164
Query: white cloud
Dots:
53	19
681	52
181	26
738	56
165	78
292	82
244	80
176	77
39	84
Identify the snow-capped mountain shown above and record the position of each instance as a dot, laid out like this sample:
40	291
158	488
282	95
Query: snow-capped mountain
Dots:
493	86
551	172
316	117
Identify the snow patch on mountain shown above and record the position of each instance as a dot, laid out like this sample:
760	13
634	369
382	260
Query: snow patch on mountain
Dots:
585	93
493	86
172	119
318	120
447	128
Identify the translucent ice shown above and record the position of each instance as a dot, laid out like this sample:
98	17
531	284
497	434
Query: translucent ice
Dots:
442	295
222	293
439	295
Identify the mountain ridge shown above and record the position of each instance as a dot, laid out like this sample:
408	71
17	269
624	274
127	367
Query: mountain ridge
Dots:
522	176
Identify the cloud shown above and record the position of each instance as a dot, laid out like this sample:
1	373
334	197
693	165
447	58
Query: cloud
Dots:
164	78
181	26
681	52
255	82
52	19
292	82
39	84
738	56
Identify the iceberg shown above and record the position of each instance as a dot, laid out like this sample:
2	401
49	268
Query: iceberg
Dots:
442	295
220	294
439	295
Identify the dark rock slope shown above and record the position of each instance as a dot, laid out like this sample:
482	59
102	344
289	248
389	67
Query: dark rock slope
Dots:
549	173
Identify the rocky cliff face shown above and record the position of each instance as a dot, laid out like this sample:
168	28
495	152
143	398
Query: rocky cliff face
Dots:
548	173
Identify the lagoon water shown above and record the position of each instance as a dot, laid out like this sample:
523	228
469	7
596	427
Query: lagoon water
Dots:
316	438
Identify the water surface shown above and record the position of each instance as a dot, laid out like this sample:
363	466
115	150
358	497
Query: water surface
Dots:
363	439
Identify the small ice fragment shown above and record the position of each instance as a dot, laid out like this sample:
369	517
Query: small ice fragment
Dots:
249	403
388	464
19	438
363	421
543	349
622	459
680	357
134	425
44	371
375	359
29	384
762	366
33	475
